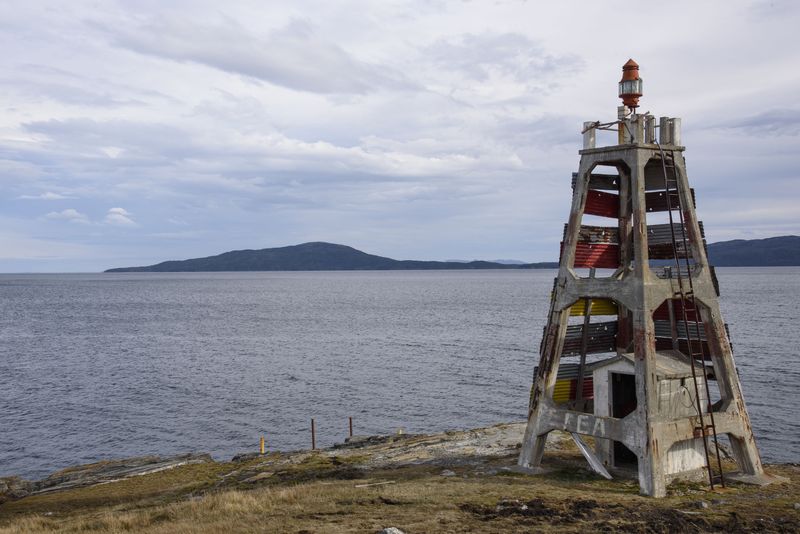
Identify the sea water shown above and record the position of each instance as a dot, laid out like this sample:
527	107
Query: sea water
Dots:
97	366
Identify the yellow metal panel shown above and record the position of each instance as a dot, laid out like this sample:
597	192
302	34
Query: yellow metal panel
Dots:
561	391
599	307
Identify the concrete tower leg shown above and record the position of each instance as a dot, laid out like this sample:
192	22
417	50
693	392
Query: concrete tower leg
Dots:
541	404
651	475
742	439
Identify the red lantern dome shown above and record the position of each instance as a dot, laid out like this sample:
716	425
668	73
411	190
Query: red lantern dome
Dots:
630	86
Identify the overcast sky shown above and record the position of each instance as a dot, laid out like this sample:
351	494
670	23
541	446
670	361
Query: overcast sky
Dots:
134	132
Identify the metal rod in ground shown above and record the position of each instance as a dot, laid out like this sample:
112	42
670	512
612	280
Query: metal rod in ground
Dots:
262	447
351	426
313	435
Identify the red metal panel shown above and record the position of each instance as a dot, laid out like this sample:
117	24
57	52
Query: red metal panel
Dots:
662	312
602	204
588	388
600	255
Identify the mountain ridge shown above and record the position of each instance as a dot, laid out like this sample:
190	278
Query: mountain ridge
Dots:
767	252
312	256
322	256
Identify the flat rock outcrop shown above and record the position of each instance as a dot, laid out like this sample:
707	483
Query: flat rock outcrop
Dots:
113	470
102	472
14	488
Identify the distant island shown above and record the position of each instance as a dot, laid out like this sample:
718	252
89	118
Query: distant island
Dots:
772	251
316	256
319	256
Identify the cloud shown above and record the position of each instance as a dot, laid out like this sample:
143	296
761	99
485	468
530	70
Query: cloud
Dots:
47	195
482	57
119	217
774	122
414	129
293	56
70	215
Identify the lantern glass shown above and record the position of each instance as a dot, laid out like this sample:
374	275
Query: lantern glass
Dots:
630	87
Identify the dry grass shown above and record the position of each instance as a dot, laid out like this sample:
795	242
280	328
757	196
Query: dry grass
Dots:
316	494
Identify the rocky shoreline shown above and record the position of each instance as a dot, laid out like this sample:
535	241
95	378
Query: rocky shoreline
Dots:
448	448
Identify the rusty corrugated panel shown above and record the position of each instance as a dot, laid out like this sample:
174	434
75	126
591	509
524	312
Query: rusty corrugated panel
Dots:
654	177
599	255
663	329
657	200
597	307
662	312
602	204
567	371
659	241
567	384
596	234
565	390
602	338
666	252
660	234
561	391
606	182
663	343
665	272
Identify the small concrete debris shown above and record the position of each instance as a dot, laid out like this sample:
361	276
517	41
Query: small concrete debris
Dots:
447	473
510	504
797	506
391	530
700	504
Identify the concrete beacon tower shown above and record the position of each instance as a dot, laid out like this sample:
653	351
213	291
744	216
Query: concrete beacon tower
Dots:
636	303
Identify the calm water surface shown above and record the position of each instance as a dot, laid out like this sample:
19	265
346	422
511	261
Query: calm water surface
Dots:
115	365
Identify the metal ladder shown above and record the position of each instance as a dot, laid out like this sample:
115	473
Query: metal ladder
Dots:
687	299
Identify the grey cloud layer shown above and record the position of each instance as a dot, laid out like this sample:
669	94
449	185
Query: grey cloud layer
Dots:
407	129
292	56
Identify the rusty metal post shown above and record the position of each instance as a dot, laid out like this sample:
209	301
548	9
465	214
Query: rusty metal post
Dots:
580	404
313	435
350	420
